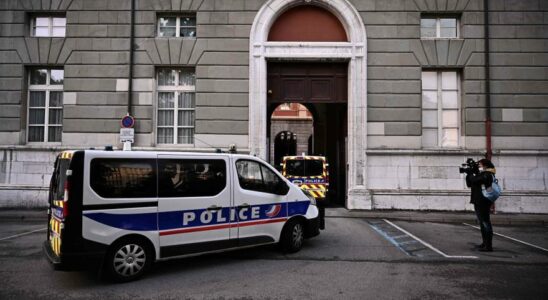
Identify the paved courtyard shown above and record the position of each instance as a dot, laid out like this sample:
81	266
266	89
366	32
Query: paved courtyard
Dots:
353	258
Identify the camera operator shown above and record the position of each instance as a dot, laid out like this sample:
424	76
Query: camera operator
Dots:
480	175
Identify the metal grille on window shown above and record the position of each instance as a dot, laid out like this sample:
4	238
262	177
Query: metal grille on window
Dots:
45	105
176	106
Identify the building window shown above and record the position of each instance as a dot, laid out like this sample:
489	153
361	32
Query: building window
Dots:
176	106
439	27
440	109
48	26
45	105
177	26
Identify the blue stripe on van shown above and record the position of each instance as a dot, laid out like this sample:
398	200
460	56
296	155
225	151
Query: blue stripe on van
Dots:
175	219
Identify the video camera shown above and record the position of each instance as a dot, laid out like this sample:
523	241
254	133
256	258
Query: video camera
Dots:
470	166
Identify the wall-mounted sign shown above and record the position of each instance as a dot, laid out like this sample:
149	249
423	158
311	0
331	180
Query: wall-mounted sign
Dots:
127	135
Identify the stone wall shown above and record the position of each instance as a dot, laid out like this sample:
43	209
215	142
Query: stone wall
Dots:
302	128
430	180
95	57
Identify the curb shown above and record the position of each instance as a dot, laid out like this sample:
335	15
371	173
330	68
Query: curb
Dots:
442	217
24	215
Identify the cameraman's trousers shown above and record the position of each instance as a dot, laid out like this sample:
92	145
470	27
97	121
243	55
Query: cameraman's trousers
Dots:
484	219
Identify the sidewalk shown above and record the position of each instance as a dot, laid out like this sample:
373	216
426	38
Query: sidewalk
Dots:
32	215
438	217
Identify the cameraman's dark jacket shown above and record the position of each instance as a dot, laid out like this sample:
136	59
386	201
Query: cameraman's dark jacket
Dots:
474	181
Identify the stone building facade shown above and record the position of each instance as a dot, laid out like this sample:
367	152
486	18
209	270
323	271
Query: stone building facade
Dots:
416	97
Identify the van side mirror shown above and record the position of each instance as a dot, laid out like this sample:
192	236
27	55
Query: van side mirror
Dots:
281	188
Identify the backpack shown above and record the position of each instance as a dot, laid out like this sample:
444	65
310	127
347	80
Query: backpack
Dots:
493	192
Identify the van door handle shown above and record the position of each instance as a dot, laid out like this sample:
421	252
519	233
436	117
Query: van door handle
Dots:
214	208
245	205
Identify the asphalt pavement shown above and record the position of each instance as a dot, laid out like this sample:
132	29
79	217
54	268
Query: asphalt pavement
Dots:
360	255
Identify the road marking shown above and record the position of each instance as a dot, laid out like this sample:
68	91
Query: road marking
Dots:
511	238
389	238
22	234
426	244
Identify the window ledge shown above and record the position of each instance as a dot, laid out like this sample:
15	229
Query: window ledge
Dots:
441	38
175	37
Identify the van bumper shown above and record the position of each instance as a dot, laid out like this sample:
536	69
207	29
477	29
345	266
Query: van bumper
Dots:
71	261
312	228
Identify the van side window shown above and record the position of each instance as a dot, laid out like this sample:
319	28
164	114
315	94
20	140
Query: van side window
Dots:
256	177
123	178
191	177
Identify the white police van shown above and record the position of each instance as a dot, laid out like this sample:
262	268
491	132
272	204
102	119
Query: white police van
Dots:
131	208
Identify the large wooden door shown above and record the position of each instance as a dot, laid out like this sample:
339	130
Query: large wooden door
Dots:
307	82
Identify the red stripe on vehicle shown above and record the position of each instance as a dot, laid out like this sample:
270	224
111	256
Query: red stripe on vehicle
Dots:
222	226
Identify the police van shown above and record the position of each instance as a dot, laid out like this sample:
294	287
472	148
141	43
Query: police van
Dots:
128	209
311	174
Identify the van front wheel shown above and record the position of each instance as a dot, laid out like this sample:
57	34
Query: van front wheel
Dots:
127	260
292	237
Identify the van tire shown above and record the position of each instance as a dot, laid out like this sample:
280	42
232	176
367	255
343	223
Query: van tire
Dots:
292	238
127	260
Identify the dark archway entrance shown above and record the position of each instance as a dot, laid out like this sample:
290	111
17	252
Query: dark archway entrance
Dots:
322	89
285	144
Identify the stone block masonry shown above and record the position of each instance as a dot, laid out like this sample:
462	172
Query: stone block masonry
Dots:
400	172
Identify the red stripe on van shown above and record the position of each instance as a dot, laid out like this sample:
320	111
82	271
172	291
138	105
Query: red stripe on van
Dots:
223	226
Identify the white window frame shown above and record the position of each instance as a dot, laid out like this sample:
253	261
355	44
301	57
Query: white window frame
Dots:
47	88
177	26
177	90
460	138
50	25
438	27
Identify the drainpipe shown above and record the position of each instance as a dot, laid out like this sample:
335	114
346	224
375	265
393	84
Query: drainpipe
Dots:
130	74
488	145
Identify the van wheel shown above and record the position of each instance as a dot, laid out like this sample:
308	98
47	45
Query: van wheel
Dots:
292	237
127	260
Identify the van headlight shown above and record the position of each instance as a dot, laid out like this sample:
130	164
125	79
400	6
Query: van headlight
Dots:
310	197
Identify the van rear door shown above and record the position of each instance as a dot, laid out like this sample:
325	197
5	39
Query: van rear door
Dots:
57	205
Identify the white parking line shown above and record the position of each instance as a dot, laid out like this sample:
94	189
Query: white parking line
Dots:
426	244
22	234
511	238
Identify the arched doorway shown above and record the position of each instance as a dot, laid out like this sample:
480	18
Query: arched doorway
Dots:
352	51
285	144
289	127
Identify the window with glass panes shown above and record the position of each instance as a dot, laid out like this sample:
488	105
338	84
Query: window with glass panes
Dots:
176	106
440	109
48	26
45	105
177	26
439	27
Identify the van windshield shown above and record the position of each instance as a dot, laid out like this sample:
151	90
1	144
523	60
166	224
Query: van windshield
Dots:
302	167
59	176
